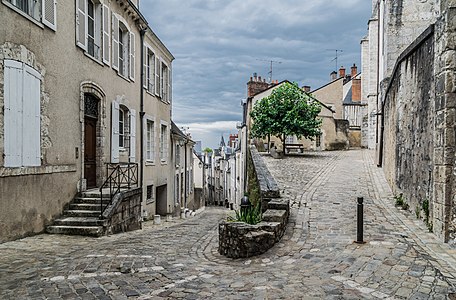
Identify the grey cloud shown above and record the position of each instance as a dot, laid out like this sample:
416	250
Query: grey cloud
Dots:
219	44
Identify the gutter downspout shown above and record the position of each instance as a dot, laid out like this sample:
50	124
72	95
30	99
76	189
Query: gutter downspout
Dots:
185	174
379	135
141	116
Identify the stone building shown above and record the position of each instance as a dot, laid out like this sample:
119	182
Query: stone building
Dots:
343	95
334	131
84	89
182	168
410	52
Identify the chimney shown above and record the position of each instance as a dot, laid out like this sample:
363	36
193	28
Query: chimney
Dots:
306	88
354	70
342	72
333	75
256	85
356	90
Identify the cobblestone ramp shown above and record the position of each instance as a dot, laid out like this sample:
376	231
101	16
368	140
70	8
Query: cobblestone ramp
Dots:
316	259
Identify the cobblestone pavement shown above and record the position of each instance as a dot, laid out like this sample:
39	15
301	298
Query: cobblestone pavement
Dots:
316	258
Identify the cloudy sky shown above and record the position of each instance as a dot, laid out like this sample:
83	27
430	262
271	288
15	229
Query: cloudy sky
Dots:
219	44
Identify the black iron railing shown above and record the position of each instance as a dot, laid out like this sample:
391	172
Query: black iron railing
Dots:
119	176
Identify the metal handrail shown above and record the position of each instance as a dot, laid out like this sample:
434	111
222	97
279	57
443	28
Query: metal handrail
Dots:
119	176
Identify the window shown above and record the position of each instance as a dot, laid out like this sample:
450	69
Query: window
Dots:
123	134
318	141
177	155
165	83
123	44
150	193
149	69
92	28
22	135
290	139
43	11
163	143
150	141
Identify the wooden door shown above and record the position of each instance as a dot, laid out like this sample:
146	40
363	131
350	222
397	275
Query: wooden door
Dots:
90	152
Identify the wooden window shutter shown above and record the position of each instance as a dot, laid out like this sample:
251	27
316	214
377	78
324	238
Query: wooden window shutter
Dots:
115	42
81	24
145	75
49	8
106	36
13	82
132	135
157	76
31	136
169	93
115	132
132	56
162	79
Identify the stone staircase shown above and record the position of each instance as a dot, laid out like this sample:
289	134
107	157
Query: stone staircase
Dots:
82	216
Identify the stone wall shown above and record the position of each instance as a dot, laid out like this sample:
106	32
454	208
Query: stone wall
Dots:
409	122
419	123
124	214
443	206
241	240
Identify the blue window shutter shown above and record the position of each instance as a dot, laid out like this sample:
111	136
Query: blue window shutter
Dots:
31	133
132	135
115	132
13	113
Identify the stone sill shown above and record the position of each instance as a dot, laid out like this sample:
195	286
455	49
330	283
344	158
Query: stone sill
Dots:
23	171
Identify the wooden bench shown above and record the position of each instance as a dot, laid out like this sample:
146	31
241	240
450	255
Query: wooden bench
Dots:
299	147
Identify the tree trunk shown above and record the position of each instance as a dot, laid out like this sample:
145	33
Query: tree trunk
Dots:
284	144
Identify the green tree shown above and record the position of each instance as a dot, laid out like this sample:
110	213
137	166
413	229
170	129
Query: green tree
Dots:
207	150
287	111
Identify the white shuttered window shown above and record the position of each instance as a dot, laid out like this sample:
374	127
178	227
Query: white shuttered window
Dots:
22	115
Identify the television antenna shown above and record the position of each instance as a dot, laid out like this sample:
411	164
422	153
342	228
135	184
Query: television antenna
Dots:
270	69
337	56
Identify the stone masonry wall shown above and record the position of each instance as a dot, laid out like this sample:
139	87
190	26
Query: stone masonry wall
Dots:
409	123
125	212
444	208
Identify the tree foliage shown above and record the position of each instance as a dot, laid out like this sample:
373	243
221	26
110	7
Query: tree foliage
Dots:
287	111
207	150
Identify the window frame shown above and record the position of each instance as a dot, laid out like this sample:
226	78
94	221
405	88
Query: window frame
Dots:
163	142
150	141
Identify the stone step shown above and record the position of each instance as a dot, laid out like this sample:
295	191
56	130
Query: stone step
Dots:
95	231
78	221
81	213
94	194
87	206
90	200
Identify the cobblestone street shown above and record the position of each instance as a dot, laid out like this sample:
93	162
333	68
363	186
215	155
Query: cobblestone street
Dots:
316	258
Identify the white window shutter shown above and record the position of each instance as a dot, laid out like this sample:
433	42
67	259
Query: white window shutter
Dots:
132	56
145	54
132	135
31	134
157	76
162	79
49	12
170	79
13	82
115	42
115	132
81	24
106	35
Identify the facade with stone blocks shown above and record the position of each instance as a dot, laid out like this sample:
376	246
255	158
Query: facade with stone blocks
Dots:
415	123
81	86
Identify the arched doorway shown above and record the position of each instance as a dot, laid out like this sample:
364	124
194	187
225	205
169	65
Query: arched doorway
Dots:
91	104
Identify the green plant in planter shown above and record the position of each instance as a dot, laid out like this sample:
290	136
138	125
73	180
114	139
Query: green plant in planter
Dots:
399	200
251	215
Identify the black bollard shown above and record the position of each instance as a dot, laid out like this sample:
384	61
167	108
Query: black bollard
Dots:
360	213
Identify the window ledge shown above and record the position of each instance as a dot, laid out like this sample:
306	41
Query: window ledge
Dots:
123	76
150	163
150	93
150	201
94	59
30	18
164	162
22	171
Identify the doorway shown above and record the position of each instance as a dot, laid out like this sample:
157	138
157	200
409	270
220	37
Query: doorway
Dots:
90	140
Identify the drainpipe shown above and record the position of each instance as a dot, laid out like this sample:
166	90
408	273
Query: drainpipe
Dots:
185	173
379	135
141	116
